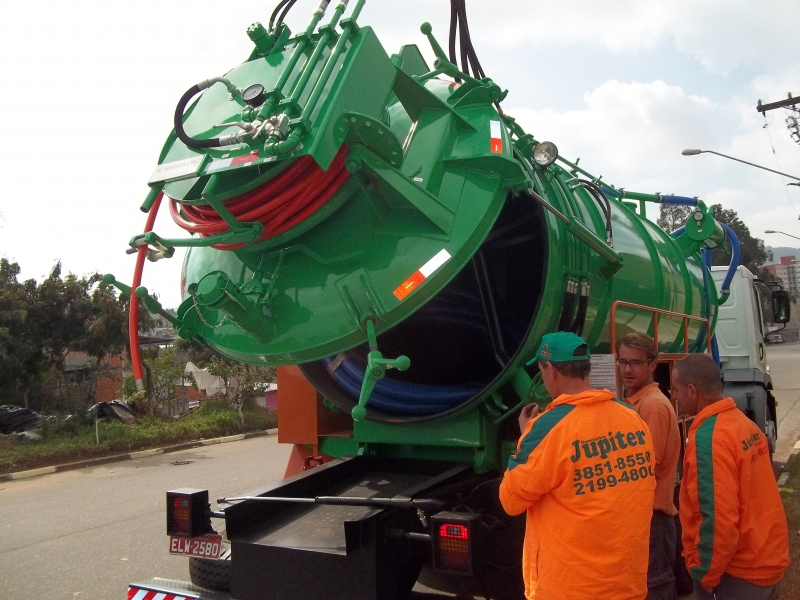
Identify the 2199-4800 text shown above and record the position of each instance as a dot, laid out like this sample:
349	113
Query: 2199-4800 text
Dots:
608	474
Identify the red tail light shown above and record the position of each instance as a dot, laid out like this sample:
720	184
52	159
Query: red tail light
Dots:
453	541
188	513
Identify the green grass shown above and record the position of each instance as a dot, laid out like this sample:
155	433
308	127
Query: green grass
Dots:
790	588
77	441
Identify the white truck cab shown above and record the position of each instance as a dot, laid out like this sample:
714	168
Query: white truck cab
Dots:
740	336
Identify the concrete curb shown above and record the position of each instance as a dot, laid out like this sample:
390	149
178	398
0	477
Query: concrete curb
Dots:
102	460
784	478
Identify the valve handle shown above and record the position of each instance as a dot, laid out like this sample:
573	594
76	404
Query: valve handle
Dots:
376	369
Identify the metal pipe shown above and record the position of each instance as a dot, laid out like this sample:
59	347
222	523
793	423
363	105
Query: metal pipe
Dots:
789	234
694	151
331	62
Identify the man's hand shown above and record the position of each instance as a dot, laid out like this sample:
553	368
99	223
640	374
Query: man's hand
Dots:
528	412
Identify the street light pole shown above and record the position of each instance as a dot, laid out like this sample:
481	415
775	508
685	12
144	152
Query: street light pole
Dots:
693	151
783	232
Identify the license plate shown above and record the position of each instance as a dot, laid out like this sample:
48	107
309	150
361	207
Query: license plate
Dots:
204	546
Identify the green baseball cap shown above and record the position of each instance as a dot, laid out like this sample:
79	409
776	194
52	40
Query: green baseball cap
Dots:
561	347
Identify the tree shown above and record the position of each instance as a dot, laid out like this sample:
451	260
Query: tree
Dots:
40	323
242	381
754	253
107	329
61	310
673	216
22	361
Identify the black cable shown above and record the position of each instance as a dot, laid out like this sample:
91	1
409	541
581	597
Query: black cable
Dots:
274	15
178	122
463	35
477	70
452	41
285	12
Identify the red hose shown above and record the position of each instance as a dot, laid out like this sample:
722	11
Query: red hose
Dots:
133	313
280	204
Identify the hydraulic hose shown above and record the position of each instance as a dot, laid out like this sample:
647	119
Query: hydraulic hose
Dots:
181	107
401	397
706	254
736	251
682	200
279	204
133	312
178	122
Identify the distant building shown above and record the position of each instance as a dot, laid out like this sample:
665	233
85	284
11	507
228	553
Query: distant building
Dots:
789	272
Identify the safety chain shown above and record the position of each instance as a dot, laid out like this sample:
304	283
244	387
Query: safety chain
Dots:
200	314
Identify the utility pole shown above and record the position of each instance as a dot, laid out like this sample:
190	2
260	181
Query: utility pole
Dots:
792	122
790	101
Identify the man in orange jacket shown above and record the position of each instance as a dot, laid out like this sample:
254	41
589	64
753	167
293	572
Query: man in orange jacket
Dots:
583	471
735	536
637	357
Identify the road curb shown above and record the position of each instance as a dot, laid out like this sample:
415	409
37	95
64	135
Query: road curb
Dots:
784	478
102	460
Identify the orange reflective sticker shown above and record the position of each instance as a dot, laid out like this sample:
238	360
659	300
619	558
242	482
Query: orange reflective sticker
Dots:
409	285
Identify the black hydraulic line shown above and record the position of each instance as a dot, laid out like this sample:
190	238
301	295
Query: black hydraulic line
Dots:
275	12
285	12
393	502
566	309
178	122
463	35
600	197
477	70
452	41
493	326
580	315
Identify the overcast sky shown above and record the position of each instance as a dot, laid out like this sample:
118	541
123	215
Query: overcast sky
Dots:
89	89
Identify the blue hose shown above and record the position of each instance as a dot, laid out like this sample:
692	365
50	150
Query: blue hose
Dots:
736	251
682	200
706	254
401	397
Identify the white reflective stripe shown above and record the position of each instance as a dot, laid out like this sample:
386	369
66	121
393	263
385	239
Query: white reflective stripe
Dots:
219	164
140	594
434	263
494	128
161	596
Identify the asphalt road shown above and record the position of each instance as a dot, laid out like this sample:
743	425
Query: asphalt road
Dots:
86	534
784	360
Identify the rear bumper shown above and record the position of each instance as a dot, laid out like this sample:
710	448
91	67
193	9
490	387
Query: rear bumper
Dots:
172	590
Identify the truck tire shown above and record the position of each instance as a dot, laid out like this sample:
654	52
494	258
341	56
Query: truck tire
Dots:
212	574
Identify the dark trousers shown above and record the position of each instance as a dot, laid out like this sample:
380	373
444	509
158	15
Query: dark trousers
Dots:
660	577
733	588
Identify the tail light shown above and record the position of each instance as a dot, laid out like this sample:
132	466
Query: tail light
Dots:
454	541
188	513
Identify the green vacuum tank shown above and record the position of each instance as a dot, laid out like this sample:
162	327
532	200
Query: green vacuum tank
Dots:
384	225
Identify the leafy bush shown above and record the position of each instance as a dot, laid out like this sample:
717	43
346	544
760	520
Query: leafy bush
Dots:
75	438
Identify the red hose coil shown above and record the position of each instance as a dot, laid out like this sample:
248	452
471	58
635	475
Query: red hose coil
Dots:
279	204
133	312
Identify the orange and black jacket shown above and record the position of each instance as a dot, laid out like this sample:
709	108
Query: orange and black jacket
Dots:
583	471
731	512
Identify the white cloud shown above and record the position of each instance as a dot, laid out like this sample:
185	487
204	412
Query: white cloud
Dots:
89	88
720	34
625	127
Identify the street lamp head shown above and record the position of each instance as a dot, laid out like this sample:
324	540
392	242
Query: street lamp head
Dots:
691	152
770	231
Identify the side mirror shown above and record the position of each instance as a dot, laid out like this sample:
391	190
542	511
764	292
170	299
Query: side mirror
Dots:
781	306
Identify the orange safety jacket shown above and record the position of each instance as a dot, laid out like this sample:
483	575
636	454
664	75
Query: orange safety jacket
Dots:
583	471
731	511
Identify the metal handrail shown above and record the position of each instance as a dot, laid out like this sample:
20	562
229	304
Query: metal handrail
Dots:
668	357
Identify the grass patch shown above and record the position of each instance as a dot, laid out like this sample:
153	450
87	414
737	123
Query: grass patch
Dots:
790	588
77	441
